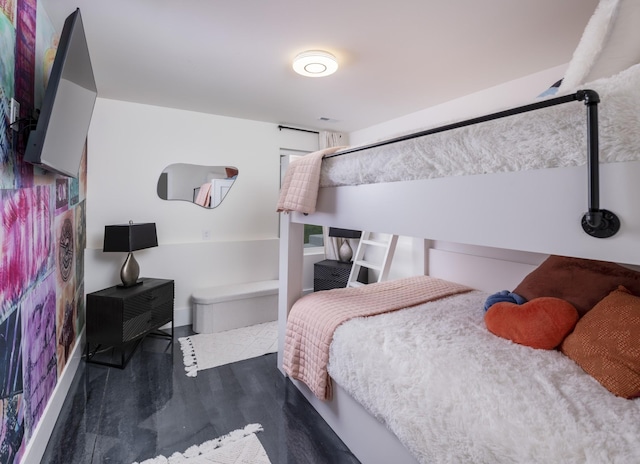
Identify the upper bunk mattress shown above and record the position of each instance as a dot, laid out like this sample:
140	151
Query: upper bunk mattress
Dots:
546	138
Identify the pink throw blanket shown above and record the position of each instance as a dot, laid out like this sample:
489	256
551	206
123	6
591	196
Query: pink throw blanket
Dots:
301	182
204	195
314	318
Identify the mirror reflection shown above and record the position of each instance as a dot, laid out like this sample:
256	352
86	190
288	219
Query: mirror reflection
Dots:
205	186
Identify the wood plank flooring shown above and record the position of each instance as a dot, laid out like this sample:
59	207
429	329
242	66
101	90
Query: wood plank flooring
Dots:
151	407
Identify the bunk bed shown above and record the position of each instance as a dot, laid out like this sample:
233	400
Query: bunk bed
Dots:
473	396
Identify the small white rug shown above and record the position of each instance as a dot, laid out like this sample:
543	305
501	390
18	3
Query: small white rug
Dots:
238	447
204	351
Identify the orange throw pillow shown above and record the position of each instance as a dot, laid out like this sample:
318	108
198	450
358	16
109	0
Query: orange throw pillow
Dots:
539	323
606	343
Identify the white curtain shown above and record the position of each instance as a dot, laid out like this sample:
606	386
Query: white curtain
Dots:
328	139
331	244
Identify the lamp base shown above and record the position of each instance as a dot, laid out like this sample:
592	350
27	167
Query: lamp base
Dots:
130	271
345	253
139	282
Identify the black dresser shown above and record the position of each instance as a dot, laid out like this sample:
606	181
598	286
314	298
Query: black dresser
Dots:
330	274
117	316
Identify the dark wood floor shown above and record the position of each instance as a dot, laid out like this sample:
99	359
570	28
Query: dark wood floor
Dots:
151	407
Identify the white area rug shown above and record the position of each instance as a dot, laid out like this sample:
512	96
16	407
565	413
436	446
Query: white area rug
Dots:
204	351
238	447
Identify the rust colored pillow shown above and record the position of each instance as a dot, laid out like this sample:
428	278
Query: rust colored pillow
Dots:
539	323
582	282
231	172
606	343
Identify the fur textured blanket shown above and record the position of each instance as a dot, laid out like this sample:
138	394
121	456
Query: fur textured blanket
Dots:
547	138
452	392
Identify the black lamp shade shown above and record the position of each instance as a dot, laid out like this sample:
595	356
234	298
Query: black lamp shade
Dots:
344	233
130	237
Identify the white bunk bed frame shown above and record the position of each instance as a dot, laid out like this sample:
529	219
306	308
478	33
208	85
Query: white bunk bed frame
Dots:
536	211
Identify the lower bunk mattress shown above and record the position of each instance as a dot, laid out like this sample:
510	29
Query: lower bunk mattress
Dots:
453	392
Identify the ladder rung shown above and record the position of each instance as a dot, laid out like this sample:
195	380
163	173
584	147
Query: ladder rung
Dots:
375	243
387	245
368	265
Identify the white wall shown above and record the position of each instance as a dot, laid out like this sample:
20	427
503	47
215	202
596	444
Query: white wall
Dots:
510	94
129	146
409	256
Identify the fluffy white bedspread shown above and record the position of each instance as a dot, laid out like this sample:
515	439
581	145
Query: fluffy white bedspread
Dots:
453	392
547	138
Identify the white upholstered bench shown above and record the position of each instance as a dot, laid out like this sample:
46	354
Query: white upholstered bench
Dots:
227	307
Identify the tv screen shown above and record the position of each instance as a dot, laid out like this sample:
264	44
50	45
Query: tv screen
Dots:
57	142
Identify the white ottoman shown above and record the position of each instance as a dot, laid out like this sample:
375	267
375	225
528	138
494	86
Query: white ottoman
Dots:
226	307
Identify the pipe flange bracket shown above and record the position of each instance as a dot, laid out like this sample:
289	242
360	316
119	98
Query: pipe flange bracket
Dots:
609	225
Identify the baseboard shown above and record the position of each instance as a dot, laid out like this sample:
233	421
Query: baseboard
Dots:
184	316
181	316
40	437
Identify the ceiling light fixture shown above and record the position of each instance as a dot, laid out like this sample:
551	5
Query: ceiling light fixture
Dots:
315	63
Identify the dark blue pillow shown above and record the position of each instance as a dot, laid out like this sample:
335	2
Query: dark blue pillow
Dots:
504	295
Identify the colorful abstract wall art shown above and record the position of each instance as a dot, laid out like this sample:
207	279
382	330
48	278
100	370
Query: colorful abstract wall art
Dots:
62	194
11	429
65	287
81	240
11	355
39	342
42	240
7	80
25	241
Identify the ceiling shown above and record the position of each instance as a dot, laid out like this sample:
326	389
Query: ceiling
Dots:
233	57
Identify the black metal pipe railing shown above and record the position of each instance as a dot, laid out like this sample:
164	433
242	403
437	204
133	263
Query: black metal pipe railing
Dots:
468	122
596	222
593	147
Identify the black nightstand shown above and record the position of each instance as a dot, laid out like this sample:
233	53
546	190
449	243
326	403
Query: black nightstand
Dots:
330	274
118	316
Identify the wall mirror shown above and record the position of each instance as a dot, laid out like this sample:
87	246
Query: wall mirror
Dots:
205	186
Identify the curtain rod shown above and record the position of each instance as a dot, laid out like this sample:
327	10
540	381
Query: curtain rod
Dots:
297	129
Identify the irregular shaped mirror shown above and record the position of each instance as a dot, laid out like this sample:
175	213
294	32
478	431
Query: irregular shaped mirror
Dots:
205	186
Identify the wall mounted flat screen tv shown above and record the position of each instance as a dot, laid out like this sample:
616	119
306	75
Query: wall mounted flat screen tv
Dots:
57	142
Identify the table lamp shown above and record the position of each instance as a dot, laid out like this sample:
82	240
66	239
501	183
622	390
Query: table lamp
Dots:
345	253
130	237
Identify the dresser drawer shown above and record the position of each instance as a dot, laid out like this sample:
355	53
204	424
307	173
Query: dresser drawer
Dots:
321	284
136	327
152	300
329	274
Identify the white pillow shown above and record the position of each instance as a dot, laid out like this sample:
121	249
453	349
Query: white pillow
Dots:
610	43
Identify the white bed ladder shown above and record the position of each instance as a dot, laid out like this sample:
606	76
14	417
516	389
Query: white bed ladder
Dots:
385	245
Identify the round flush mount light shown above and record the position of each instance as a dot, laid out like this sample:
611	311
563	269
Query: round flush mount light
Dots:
315	63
